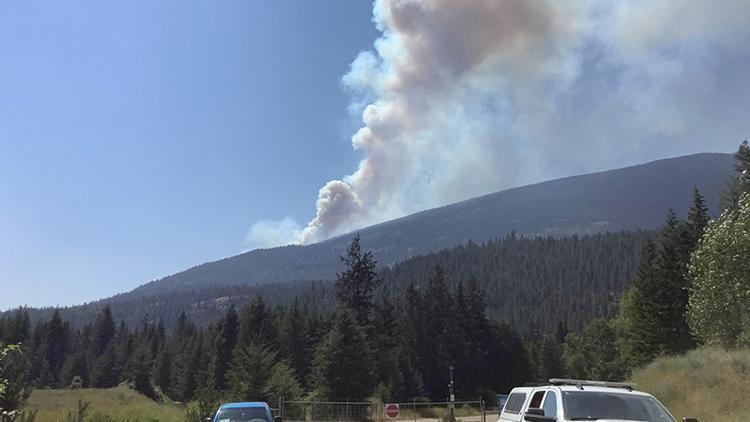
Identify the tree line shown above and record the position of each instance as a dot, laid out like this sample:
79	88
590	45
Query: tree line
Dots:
373	344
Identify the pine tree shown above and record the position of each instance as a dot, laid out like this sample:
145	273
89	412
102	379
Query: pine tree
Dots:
256	324
673	257
250	372
342	368
740	183
223	346
698	218
295	341
104	371
282	384
387	347
639	323
58	339
141	368
103	332
434	347
355	286
163	370
550	362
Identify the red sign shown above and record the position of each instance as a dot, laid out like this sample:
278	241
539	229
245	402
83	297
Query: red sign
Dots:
391	410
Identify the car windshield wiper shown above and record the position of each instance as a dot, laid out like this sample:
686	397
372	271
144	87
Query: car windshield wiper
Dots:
584	418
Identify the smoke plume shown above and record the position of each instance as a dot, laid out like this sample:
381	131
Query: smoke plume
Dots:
461	98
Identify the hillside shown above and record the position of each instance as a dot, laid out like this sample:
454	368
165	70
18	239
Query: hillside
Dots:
121	402
708	384
541	281
630	198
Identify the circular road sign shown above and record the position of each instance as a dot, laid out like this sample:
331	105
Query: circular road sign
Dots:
391	410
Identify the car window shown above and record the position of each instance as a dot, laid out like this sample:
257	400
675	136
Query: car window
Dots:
550	404
598	405
536	400
514	403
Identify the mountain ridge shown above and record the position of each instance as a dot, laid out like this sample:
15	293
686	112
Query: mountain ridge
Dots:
628	198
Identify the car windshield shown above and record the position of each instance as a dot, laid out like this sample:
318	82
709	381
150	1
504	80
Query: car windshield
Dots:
243	414
591	406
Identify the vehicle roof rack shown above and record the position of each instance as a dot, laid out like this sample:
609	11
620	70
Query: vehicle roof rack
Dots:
581	383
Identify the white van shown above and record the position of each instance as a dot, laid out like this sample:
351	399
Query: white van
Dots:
579	400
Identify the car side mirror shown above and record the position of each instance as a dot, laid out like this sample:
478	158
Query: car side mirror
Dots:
689	419
537	415
277	419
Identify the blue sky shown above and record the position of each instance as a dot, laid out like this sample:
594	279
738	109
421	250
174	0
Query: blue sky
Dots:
140	138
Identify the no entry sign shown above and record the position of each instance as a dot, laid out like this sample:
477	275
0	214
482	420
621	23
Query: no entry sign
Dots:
391	410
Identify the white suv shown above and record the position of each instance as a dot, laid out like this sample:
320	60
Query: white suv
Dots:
578	400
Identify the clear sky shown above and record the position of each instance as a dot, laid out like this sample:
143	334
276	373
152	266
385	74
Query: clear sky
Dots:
139	138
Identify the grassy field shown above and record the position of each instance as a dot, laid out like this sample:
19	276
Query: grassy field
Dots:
112	404
710	384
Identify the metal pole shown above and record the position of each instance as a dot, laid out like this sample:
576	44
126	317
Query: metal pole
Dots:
452	394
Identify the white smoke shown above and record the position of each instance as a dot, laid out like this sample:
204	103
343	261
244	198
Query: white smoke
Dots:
461	98
270	233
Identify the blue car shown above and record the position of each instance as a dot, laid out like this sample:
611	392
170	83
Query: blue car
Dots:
244	412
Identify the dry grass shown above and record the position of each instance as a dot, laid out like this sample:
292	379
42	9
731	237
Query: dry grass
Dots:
111	404
710	384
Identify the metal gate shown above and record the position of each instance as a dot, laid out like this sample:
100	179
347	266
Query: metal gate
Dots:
416	411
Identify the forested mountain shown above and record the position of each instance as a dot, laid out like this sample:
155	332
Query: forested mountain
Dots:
624	199
528	282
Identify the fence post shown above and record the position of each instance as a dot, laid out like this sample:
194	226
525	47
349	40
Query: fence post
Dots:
415	409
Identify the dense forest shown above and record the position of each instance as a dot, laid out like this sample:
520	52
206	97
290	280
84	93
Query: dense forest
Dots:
372	344
540	282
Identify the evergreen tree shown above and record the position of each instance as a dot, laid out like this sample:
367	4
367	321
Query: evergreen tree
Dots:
387	348
435	343
740	183
673	257
639	324
295	341
58	338
104	331
141	368
224	343
250	371
282	384
342	368
18	328
104	371
592	354
163	370
550	362
256	324
698	218
355	286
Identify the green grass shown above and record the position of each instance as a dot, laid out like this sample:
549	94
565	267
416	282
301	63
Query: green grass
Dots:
710	384
120	404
